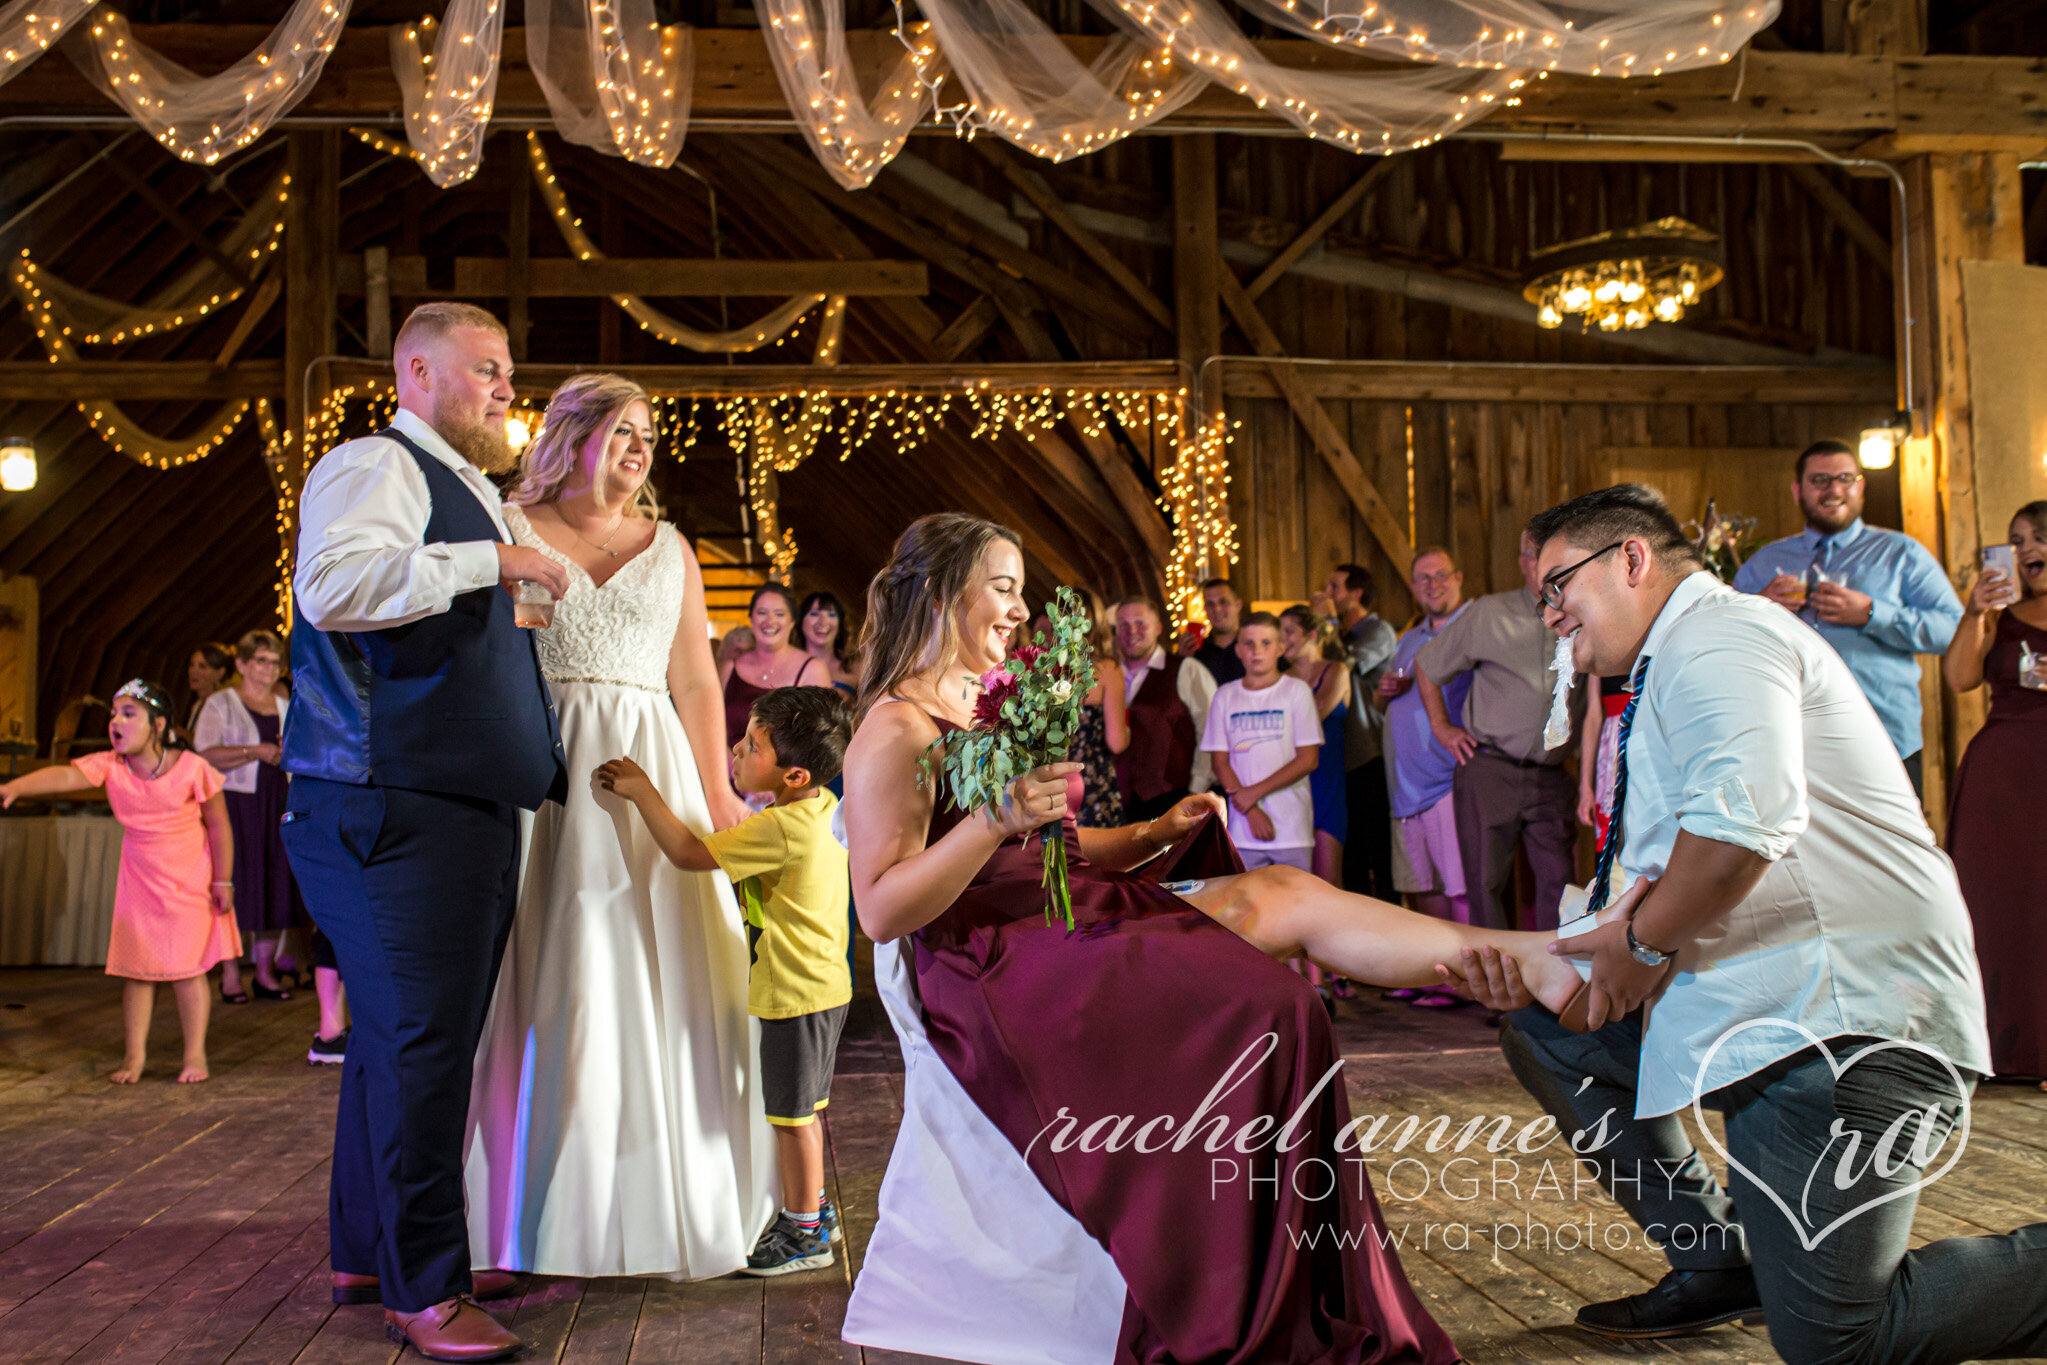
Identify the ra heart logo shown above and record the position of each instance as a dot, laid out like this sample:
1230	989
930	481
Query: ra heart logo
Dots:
1885	1157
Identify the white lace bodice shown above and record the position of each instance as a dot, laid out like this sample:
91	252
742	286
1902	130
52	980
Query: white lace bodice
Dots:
622	632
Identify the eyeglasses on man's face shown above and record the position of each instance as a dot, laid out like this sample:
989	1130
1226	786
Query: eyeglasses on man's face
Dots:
1818	483
1552	593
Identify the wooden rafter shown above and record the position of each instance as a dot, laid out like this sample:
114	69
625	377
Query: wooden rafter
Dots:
1284	260
1329	441
1840	208
557	277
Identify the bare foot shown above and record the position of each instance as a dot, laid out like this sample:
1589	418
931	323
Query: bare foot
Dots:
1503	980
129	1073
193	1072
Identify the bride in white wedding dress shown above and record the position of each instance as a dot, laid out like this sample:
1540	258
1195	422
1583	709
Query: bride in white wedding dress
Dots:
615	1126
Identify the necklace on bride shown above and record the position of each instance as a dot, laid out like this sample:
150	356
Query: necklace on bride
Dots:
603	548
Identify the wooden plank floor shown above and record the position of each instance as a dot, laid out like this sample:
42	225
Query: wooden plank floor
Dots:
167	1223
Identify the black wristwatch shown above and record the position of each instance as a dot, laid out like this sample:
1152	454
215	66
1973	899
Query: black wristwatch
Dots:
1643	953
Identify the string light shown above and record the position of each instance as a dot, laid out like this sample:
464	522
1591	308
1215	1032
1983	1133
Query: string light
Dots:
55	307
204	118
26	34
1196	499
447	107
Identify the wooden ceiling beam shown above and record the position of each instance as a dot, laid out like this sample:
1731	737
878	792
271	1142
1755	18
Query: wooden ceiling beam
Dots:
130	380
1759	94
557	277
1476	382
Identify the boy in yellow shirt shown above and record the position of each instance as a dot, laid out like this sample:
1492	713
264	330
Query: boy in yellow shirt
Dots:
791	877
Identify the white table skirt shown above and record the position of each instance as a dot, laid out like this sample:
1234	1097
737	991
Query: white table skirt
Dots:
57	875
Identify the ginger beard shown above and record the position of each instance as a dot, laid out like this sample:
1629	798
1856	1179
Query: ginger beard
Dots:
480	441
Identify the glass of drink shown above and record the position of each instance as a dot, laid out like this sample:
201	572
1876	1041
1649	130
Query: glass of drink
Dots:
2032	668
533	607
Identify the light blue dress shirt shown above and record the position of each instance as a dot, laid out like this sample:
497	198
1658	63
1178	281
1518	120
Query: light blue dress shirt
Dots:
1752	733
1422	768
1913	611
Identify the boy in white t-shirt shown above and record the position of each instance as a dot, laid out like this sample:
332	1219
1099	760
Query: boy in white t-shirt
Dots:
1263	737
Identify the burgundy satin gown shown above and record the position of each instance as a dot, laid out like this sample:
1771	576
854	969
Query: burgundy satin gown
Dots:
1141	1010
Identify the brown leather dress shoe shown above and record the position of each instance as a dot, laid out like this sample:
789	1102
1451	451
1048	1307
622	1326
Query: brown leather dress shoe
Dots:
484	1284
455	1330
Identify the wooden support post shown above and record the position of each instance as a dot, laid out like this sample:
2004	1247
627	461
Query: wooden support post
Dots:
519	252
1961	206
1884	28
1194	252
312	216
376	290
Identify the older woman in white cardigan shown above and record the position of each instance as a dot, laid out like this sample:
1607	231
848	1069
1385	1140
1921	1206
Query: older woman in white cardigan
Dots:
237	732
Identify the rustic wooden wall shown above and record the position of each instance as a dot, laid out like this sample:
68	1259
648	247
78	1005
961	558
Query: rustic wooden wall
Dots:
1481	469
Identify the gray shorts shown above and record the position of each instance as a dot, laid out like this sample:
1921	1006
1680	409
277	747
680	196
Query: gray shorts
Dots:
796	1064
1303	858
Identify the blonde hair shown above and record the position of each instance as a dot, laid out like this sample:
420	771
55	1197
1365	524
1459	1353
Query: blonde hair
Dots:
1102	623
584	406
430	322
246	647
910	603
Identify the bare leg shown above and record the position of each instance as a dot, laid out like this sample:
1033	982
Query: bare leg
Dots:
1285	912
138	1002
231	978
194	1003
799	1153
333	1001
266	960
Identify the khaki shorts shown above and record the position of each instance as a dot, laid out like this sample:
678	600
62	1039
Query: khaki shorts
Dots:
1434	864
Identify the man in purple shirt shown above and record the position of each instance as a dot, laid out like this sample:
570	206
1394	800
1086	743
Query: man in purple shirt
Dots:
1420	768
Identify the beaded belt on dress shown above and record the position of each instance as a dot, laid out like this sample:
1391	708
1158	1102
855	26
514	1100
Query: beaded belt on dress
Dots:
615	682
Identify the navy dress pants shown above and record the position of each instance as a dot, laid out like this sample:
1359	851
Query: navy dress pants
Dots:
416	890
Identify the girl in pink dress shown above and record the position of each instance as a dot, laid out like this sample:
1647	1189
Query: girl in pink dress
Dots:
174	904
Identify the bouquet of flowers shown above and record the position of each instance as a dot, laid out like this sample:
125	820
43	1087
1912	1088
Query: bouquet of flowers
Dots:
1724	540
1026	717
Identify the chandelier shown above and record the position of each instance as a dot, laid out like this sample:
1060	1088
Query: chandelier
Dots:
1625	278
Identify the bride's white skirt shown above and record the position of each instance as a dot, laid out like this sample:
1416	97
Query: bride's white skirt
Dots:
615	1126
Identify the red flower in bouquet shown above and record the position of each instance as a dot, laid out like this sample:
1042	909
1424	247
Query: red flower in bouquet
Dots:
998	685
1026	716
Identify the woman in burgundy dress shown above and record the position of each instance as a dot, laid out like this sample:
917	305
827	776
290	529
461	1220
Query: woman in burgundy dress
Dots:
1992	831
1142	1009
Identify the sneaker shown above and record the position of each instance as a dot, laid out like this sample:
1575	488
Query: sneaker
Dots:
828	1219
786	1248
328	1051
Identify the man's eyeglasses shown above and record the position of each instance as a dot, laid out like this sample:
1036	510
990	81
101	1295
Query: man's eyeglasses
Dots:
1818	482
1552	592
1435	580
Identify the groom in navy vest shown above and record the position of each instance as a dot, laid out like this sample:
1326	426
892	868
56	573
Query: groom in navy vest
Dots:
420	726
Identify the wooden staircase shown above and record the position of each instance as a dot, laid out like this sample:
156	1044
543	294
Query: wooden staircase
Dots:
729	580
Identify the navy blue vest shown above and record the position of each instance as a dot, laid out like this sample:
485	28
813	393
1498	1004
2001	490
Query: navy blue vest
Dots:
450	703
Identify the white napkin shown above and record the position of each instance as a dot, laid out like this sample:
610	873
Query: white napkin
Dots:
1558	730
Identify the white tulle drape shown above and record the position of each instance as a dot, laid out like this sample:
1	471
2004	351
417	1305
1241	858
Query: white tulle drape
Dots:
1023	82
29	27
614	78
853	135
448	77
203	118
1594	38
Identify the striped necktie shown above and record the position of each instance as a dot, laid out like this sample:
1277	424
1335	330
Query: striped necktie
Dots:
1602	871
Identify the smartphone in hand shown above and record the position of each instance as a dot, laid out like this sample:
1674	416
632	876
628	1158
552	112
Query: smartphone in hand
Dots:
2003	559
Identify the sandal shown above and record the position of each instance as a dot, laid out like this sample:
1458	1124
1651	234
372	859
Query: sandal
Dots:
263	992
1403	993
1437	1000
239	998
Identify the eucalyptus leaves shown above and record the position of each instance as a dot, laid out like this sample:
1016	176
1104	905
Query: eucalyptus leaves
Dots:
1026	717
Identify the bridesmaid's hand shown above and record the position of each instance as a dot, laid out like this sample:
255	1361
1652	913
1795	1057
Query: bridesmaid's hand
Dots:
1034	800
1177	823
223	898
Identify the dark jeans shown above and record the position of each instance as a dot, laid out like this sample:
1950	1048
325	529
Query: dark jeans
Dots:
1368	844
1857	1294
416	890
1498	801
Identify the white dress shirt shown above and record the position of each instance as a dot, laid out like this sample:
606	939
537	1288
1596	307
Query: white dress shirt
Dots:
1753	732
363	562
1196	689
